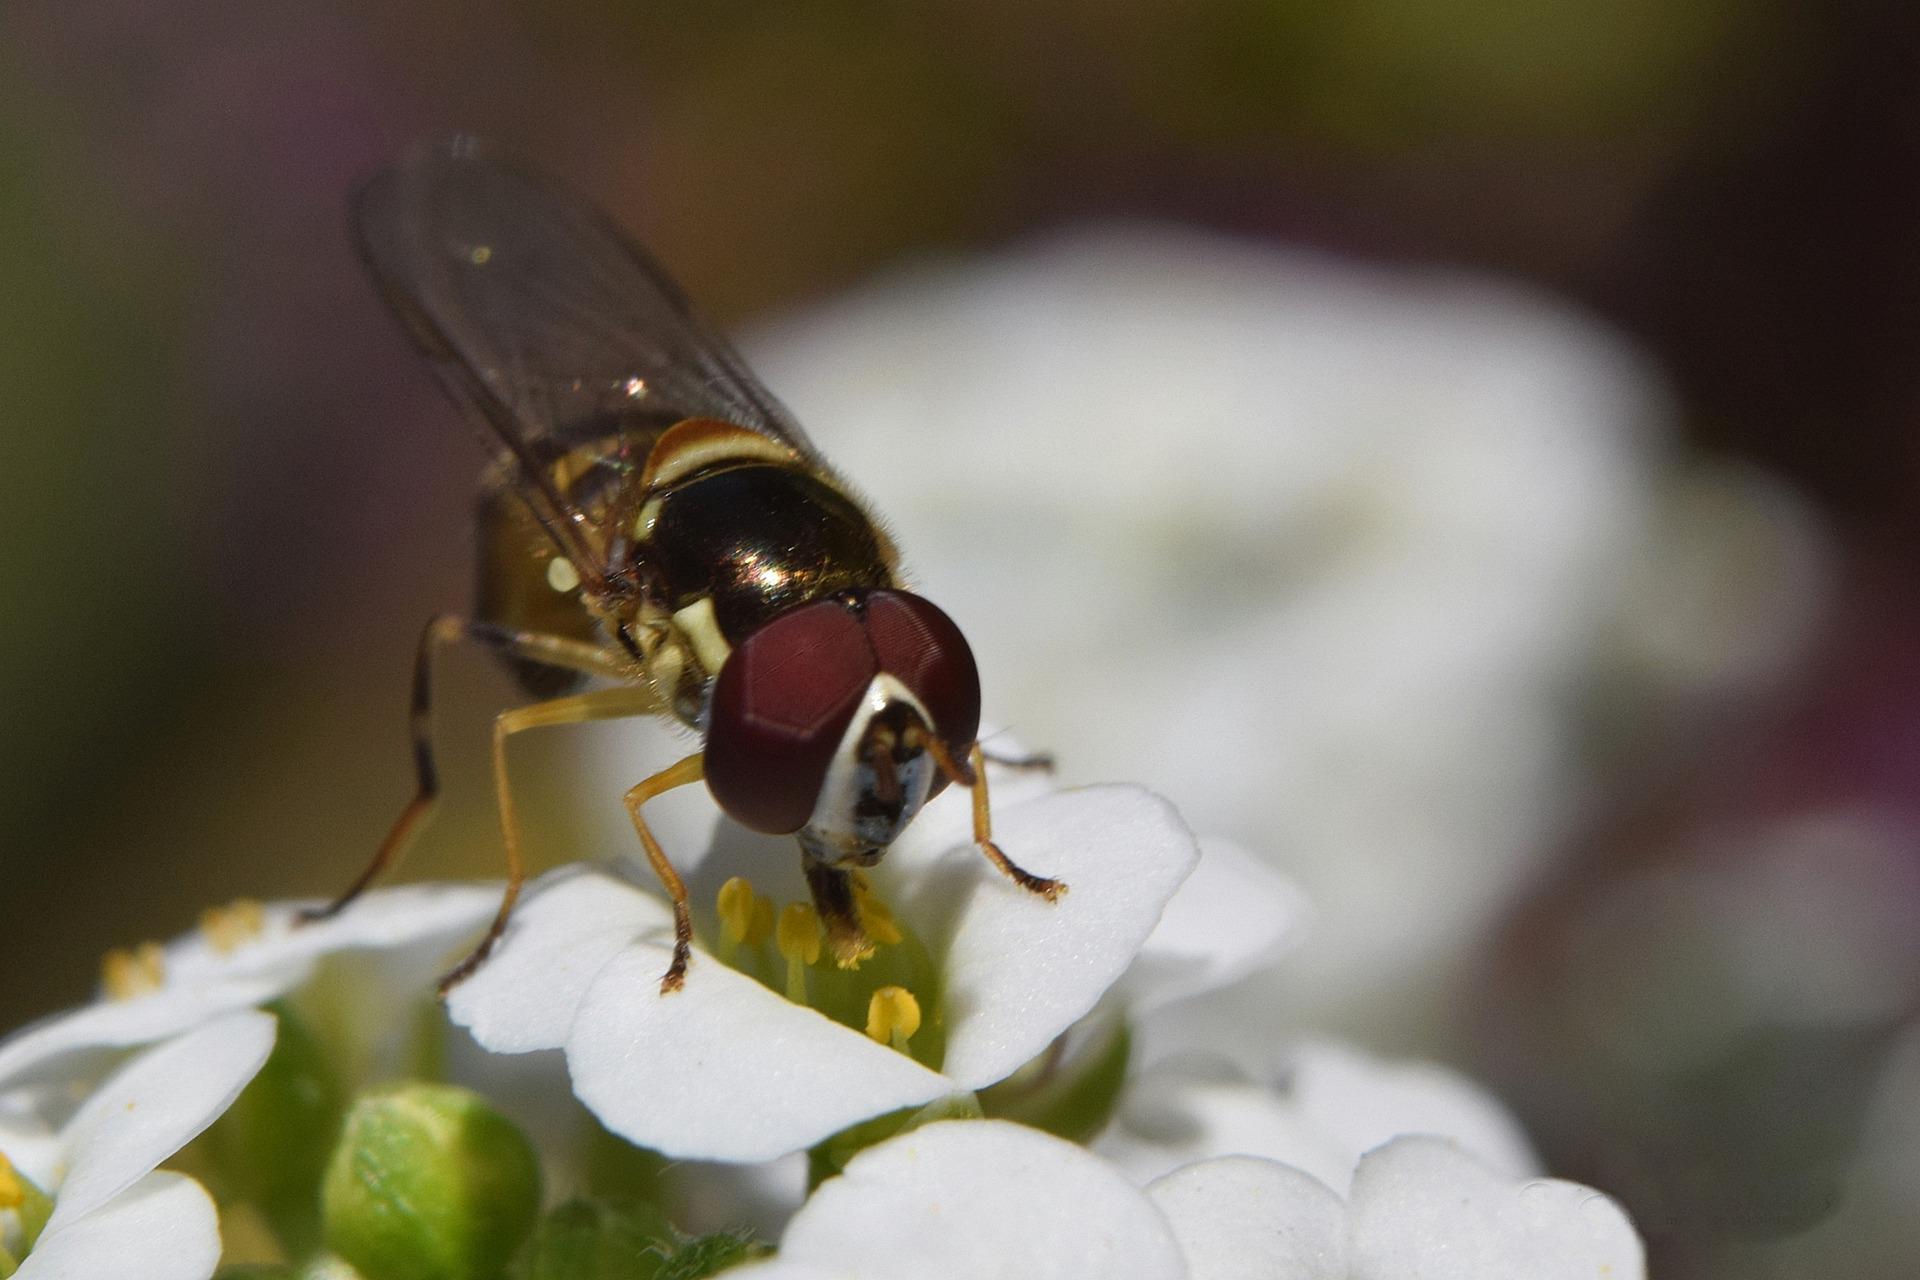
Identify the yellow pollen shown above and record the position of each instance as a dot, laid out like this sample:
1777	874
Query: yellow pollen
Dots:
893	1015
876	918
798	933
129	972
13	1193
226	928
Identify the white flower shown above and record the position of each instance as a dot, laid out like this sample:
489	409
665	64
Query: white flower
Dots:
1321	1108
113	1216
961	1200
1317	547
1420	1209
246	956
966	1199
729	1069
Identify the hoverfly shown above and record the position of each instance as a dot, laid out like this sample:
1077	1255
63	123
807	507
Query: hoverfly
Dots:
653	517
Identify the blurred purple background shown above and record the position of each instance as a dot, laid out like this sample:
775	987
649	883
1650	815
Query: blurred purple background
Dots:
232	494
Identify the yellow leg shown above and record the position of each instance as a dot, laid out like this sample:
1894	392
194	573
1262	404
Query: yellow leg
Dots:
555	651
687	771
973	775
603	704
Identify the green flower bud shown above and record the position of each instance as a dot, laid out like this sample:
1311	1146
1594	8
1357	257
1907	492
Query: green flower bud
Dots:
429	1183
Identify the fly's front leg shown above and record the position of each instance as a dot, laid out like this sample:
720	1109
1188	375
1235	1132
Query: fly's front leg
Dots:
973	775
603	704
687	771
554	651
1032	762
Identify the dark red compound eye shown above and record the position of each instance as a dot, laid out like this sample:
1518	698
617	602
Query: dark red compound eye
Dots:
921	647
786	694
782	702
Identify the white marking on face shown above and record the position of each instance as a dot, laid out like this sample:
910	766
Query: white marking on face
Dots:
833	822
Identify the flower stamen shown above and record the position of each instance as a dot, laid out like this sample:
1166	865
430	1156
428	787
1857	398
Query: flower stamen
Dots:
228	928
130	972
798	937
893	1015
746	918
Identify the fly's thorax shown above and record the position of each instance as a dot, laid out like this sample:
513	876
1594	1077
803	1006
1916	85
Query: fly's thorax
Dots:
879	777
754	540
734	530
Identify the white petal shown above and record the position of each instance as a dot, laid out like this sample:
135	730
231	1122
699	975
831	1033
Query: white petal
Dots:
525	996
77	1041
28	1144
162	1228
203	981
1422	1209
1364	1101
1331	1106
1232	916
1178	1113
1245	1219
380	920
965	1199
1020	970
725	1069
155	1105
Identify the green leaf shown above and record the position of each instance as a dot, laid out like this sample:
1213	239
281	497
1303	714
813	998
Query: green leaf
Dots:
710	1255
598	1240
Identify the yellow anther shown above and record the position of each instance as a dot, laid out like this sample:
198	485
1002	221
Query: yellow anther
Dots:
129	972
227	928
893	1015
13	1192
760	928
736	904
798	933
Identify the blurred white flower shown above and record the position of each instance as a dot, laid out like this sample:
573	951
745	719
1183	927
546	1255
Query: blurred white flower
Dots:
1419	1209
246	955
1319	549
1320	1109
960	1200
730	1069
112	1214
965	1199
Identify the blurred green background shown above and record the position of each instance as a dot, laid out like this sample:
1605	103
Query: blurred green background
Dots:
231	495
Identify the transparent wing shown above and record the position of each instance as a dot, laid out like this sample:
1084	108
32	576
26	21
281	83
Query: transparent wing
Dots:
543	318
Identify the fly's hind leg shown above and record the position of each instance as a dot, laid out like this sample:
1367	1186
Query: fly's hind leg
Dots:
555	651
973	775
604	704
689	770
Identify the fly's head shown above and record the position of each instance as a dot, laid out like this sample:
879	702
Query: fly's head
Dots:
838	720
